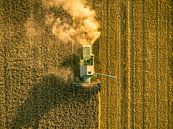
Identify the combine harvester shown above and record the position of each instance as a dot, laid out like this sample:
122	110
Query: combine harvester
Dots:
87	71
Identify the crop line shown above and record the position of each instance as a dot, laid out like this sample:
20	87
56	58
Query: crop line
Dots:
119	71
107	63
143	62
156	66
167	59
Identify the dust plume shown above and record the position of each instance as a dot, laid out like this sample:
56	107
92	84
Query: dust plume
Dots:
84	28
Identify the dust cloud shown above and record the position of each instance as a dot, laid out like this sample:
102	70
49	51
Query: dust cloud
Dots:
84	28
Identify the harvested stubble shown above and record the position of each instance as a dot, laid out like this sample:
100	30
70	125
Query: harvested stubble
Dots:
35	84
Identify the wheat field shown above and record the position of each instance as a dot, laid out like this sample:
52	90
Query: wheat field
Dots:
36	69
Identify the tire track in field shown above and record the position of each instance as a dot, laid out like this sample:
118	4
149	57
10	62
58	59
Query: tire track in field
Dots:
170	67
131	65
123	64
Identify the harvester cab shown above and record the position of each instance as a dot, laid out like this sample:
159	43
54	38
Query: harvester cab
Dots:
86	63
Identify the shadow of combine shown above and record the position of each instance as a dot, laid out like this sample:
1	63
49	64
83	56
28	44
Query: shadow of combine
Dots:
47	93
